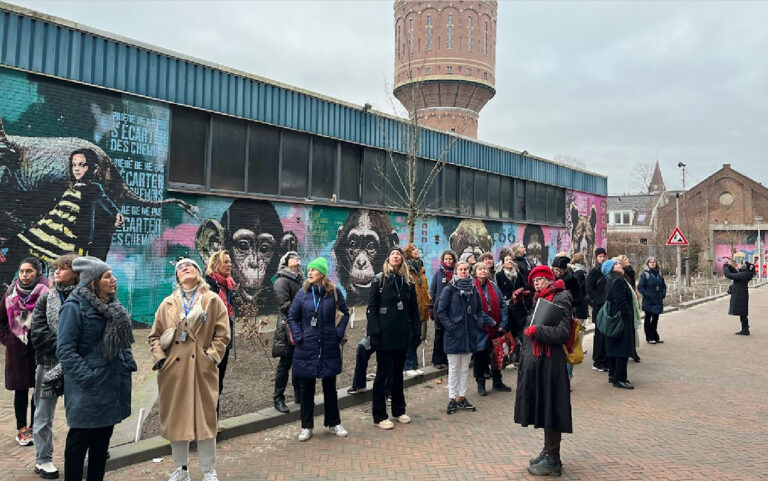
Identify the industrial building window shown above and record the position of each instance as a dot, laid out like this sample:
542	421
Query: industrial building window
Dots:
507	196
429	32
519	212
349	184
560	218
189	129
494	196
373	180
228	137
293	177
450	31
323	167
466	191
485	43
469	34
410	37
450	188
263	159
397	44
552	207
481	194
428	190
449	69
396	184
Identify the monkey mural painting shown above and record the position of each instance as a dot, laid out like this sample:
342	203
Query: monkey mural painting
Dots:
84	170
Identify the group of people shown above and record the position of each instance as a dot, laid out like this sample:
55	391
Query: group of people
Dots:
72	337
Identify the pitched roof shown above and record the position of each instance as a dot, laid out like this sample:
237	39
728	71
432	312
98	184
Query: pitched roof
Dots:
656	185
641	204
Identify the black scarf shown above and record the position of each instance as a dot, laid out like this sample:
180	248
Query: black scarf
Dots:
465	286
416	265
118	333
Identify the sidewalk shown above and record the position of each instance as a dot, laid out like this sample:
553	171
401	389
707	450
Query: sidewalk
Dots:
698	413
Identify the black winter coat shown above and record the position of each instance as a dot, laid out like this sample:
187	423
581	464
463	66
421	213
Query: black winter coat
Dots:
390	328
581	310
577	297
739	289
596	289
543	397
286	286
516	311
653	288
620	295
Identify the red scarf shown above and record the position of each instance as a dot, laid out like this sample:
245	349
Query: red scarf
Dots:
226	284
448	271
493	299
548	293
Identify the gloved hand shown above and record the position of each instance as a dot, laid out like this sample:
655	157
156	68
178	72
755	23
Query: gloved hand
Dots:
159	364
516	295
375	341
530	332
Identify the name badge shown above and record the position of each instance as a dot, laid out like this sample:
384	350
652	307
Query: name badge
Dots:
183	336
313	322
469	309
443	280
400	306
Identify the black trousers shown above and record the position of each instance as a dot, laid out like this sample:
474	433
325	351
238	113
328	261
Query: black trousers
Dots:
438	350
482	363
20	402
744	327
552	443
617	368
389	365
361	366
332	416
222	372
281	379
94	441
651	326
599	356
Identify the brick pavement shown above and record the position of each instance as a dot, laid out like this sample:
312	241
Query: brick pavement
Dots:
698	413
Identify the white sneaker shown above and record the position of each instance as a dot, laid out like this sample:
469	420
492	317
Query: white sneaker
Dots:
305	435
386	424
411	373
404	419
47	470
179	475
370	376
338	430
419	372
210	475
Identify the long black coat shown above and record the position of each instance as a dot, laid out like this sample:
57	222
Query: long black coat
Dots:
516	310
581	310
619	294
739	289
577	297
398	328
654	289
596	289
543	397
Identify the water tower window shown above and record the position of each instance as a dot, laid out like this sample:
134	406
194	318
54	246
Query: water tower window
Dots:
429	32
469	35
450	31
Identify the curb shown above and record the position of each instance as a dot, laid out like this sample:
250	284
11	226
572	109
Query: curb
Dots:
155	447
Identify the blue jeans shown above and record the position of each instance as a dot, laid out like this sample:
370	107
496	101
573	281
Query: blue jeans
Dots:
42	428
411	359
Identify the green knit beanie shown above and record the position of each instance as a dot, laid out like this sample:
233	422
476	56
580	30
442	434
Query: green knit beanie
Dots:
319	264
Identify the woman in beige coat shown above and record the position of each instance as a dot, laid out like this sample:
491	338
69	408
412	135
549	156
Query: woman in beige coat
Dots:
188	377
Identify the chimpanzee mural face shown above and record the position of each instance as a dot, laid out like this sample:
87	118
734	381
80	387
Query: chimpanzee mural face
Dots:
533	240
252	233
583	232
471	236
361	247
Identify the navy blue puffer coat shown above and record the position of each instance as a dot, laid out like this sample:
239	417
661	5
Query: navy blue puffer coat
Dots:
462	327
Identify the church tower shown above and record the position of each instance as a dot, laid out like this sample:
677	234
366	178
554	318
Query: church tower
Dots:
656	186
445	61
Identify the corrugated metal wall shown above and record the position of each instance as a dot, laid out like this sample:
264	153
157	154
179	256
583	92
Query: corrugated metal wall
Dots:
40	46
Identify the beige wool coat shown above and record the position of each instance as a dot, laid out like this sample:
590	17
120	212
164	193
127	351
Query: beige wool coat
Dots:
188	382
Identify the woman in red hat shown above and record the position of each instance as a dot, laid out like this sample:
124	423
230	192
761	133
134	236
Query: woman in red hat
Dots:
543	396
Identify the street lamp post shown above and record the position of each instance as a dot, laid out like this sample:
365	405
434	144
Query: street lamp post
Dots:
759	247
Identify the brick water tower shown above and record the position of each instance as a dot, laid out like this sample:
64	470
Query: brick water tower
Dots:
445	61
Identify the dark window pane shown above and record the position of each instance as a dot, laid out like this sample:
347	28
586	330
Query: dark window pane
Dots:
541	202
430	196
397	183
551	204
295	164
494	196
263	159
519	198
466	182
350	172
451	188
481	194
188	131
560	218
373	180
228	154
323	167
530	201
506	197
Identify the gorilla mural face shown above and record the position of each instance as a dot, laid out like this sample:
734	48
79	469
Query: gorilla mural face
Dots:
471	236
361	247
533	240
583	232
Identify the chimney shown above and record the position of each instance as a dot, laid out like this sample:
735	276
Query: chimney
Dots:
727	166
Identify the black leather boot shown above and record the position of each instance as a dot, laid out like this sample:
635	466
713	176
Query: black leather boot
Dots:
481	387
547	466
281	406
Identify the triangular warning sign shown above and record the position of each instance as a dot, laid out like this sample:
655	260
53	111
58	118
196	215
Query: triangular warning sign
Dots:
677	238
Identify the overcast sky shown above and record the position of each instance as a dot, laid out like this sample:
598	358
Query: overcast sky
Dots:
613	83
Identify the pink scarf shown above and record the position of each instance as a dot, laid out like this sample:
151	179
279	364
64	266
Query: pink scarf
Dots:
20	306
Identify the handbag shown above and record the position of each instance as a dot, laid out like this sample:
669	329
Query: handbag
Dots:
167	337
338	317
503	347
574	353
610	325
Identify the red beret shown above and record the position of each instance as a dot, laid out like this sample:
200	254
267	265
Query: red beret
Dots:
541	271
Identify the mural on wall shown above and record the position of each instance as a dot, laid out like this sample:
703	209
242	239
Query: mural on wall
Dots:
586	222
737	244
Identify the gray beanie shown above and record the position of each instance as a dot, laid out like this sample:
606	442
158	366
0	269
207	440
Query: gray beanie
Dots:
465	257
288	256
90	268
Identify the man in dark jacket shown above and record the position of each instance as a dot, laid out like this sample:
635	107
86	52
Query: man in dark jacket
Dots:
596	299
740	274
286	286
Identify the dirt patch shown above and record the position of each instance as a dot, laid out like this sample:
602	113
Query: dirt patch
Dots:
249	382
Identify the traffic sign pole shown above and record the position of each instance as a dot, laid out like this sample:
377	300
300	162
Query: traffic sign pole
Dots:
677	226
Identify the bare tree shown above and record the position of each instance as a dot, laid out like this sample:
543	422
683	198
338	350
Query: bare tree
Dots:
570	160
642	173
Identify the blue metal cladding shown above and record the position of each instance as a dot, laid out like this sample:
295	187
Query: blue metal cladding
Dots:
38	45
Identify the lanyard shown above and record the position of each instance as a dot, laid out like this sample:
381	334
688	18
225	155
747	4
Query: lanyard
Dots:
394	281
315	300
62	296
188	307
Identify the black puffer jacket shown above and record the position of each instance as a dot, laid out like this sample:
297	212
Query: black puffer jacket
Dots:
517	312
286	286
619	294
581	311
